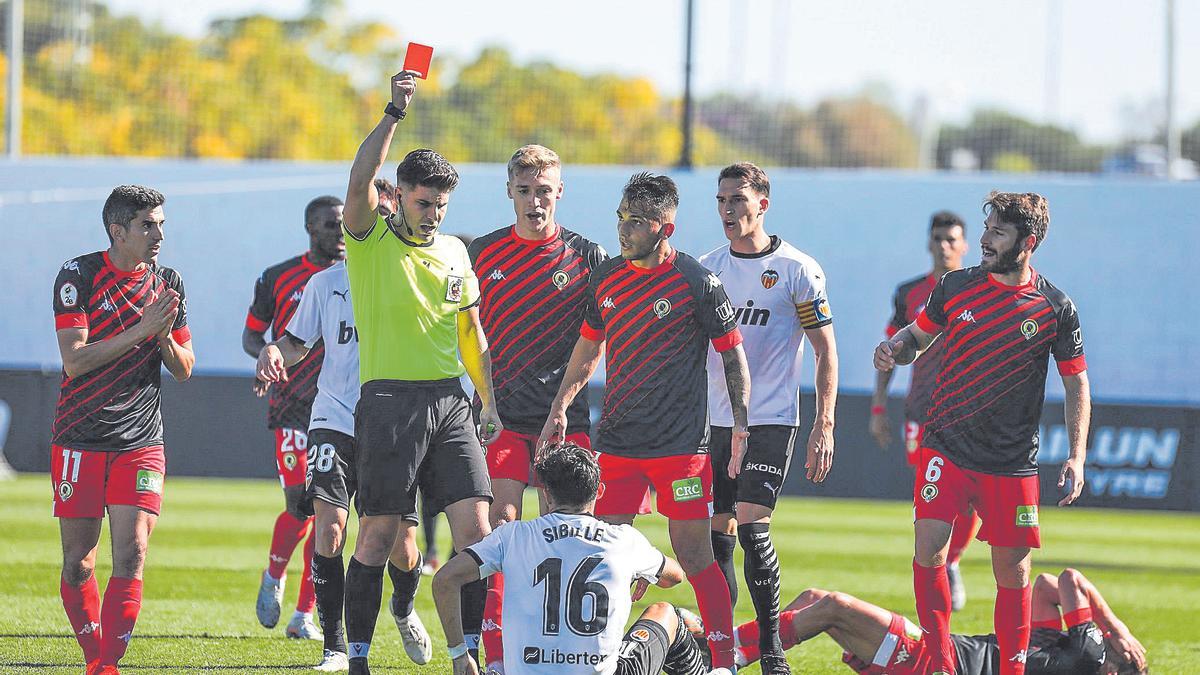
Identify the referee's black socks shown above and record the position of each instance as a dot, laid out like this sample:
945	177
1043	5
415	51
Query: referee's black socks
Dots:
723	545
761	567
404	587
364	591
471	601
329	582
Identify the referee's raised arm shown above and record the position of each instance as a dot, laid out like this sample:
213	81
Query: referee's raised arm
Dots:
361	196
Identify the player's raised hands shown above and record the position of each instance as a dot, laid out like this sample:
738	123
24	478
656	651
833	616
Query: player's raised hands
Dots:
1123	642
159	316
1070	480
737	450
885	354
403	85
819	459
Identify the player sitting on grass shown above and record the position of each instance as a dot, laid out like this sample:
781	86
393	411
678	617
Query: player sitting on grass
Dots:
878	641
574	604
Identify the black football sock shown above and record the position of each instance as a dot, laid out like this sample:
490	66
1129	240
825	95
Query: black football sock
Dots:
471	601
723	545
404	588
684	656
761	567
329	582
364	591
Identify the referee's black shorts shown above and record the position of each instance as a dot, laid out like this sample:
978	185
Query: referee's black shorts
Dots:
764	466
416	434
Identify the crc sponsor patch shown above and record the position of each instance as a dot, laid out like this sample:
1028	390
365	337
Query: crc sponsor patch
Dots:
149	481
1027	516
687	489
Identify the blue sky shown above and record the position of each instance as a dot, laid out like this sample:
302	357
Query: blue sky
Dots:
1109	55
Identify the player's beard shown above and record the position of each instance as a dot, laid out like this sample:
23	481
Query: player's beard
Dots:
1006	262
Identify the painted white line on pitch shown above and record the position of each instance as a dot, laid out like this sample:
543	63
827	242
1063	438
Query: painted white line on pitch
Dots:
215	187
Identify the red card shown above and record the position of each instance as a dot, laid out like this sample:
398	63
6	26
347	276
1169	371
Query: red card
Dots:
417	59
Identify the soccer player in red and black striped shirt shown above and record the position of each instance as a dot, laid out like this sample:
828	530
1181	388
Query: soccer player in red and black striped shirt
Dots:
533	280
947	245
657	309
1000	322
277	294
120	317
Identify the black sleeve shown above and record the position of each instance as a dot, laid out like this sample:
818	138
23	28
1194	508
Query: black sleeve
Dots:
71	295
593	320
935	309
899	313
595	255
1068	344
715	313
175	282
262	308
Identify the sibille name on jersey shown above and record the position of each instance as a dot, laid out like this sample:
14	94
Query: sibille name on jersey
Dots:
564	530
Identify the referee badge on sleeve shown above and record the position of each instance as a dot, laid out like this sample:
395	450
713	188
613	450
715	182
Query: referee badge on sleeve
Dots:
454	288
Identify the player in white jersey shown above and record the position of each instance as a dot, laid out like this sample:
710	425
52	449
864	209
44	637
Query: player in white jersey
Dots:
325	314
568	578
779	299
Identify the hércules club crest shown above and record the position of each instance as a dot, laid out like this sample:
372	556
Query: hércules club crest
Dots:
769	278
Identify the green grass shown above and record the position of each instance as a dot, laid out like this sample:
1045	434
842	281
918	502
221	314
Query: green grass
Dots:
211	546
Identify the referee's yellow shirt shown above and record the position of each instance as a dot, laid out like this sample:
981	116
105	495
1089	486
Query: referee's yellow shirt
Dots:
406	298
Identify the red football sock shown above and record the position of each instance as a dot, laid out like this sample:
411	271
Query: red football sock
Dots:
83	611
1052	624
716	611
122	602
933	609
747	642
1011	619
493	607
1077	616
962	534
287	535
307	601
787	629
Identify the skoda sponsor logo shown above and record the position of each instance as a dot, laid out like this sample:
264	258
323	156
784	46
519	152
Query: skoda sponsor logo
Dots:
764	468
555	656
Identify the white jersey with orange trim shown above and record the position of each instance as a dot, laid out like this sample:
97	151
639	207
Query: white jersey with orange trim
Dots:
776	295
566	590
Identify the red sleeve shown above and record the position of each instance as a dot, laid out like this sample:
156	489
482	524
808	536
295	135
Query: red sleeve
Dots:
891	331
594	334
72	320
181	335
256	324
728	341
1072	366
926	324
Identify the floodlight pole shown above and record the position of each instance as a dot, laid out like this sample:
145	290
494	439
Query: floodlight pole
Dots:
685	154
1171	122
16	67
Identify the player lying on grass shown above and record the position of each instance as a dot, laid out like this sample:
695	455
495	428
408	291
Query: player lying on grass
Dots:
568	586
878	641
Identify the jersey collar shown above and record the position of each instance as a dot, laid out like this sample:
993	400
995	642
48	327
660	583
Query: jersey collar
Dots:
658	269
138	271
535	242
775	242
1033	275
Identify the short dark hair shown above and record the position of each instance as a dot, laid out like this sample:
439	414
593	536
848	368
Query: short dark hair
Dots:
424	167
946	219
1029	212
125	201
383	185
569	473
324	201
751	173
657	193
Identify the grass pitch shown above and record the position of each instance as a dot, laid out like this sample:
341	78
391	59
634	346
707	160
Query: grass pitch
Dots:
211	546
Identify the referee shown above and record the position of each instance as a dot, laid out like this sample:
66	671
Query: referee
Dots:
416	309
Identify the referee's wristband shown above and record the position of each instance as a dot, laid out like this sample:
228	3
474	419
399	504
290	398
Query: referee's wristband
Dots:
393	111
457	650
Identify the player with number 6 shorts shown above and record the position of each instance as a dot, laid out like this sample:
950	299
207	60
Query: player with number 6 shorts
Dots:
1000	321
119	317
946	245
326	316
